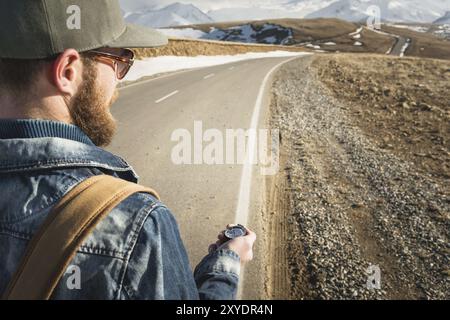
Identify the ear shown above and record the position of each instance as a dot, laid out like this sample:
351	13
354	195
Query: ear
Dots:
67	72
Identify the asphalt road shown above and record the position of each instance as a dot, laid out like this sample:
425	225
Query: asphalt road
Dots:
397	49
204	198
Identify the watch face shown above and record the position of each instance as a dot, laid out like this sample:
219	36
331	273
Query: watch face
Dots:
235	232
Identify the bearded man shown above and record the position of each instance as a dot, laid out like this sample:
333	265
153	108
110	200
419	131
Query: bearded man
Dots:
58	81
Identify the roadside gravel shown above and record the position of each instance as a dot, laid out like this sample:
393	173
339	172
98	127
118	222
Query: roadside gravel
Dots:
354	204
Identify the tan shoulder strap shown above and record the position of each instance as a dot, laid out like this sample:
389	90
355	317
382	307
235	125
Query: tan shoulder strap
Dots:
69	223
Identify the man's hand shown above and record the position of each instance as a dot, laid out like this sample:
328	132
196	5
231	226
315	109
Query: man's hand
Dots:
243	246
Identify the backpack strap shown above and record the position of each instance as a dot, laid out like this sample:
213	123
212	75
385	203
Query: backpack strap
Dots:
69	223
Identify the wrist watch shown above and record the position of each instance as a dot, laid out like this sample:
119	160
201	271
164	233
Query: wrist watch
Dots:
235	232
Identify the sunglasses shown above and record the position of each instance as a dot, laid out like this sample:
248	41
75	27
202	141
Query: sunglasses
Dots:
120	59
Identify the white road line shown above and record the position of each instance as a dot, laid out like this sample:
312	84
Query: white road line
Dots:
243	205
138	82
167	97
405	46
209	76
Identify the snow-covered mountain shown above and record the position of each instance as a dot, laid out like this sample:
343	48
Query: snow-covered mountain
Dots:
134	5
343	9
156	13
390	10
269	10
305	7
250	13
176	14
220	10
445	19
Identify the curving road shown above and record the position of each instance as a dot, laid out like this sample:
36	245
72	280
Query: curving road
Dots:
204	198
400	46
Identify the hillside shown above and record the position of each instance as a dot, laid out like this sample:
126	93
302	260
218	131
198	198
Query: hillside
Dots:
314	34
325	35
422	44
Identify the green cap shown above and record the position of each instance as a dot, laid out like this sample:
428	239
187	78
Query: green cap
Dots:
35	29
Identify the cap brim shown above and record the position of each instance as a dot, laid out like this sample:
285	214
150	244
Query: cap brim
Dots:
139	37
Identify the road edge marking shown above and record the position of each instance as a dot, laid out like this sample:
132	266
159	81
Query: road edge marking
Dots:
241	214
243	205
170	74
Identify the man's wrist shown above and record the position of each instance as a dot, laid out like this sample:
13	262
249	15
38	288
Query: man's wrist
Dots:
221	260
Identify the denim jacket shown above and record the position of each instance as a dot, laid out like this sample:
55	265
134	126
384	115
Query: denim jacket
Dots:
134	253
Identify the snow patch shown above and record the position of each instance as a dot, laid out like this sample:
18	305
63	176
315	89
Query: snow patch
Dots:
358	31
418	11
183	33
163	64
410	27
247	33
310	45
268	33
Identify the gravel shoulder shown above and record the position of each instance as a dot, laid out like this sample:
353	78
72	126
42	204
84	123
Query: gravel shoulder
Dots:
352	202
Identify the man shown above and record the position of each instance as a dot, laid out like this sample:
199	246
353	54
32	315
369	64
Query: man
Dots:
60	63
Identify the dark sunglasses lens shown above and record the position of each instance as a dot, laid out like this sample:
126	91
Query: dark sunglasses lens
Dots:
128	54
122	69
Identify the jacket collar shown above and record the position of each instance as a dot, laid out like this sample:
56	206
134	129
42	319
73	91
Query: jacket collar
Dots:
32	145
35	128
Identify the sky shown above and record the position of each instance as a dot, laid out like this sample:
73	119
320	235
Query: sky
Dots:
205	5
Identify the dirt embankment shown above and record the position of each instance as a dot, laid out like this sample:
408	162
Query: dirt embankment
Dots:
185	47
366	171
402	104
